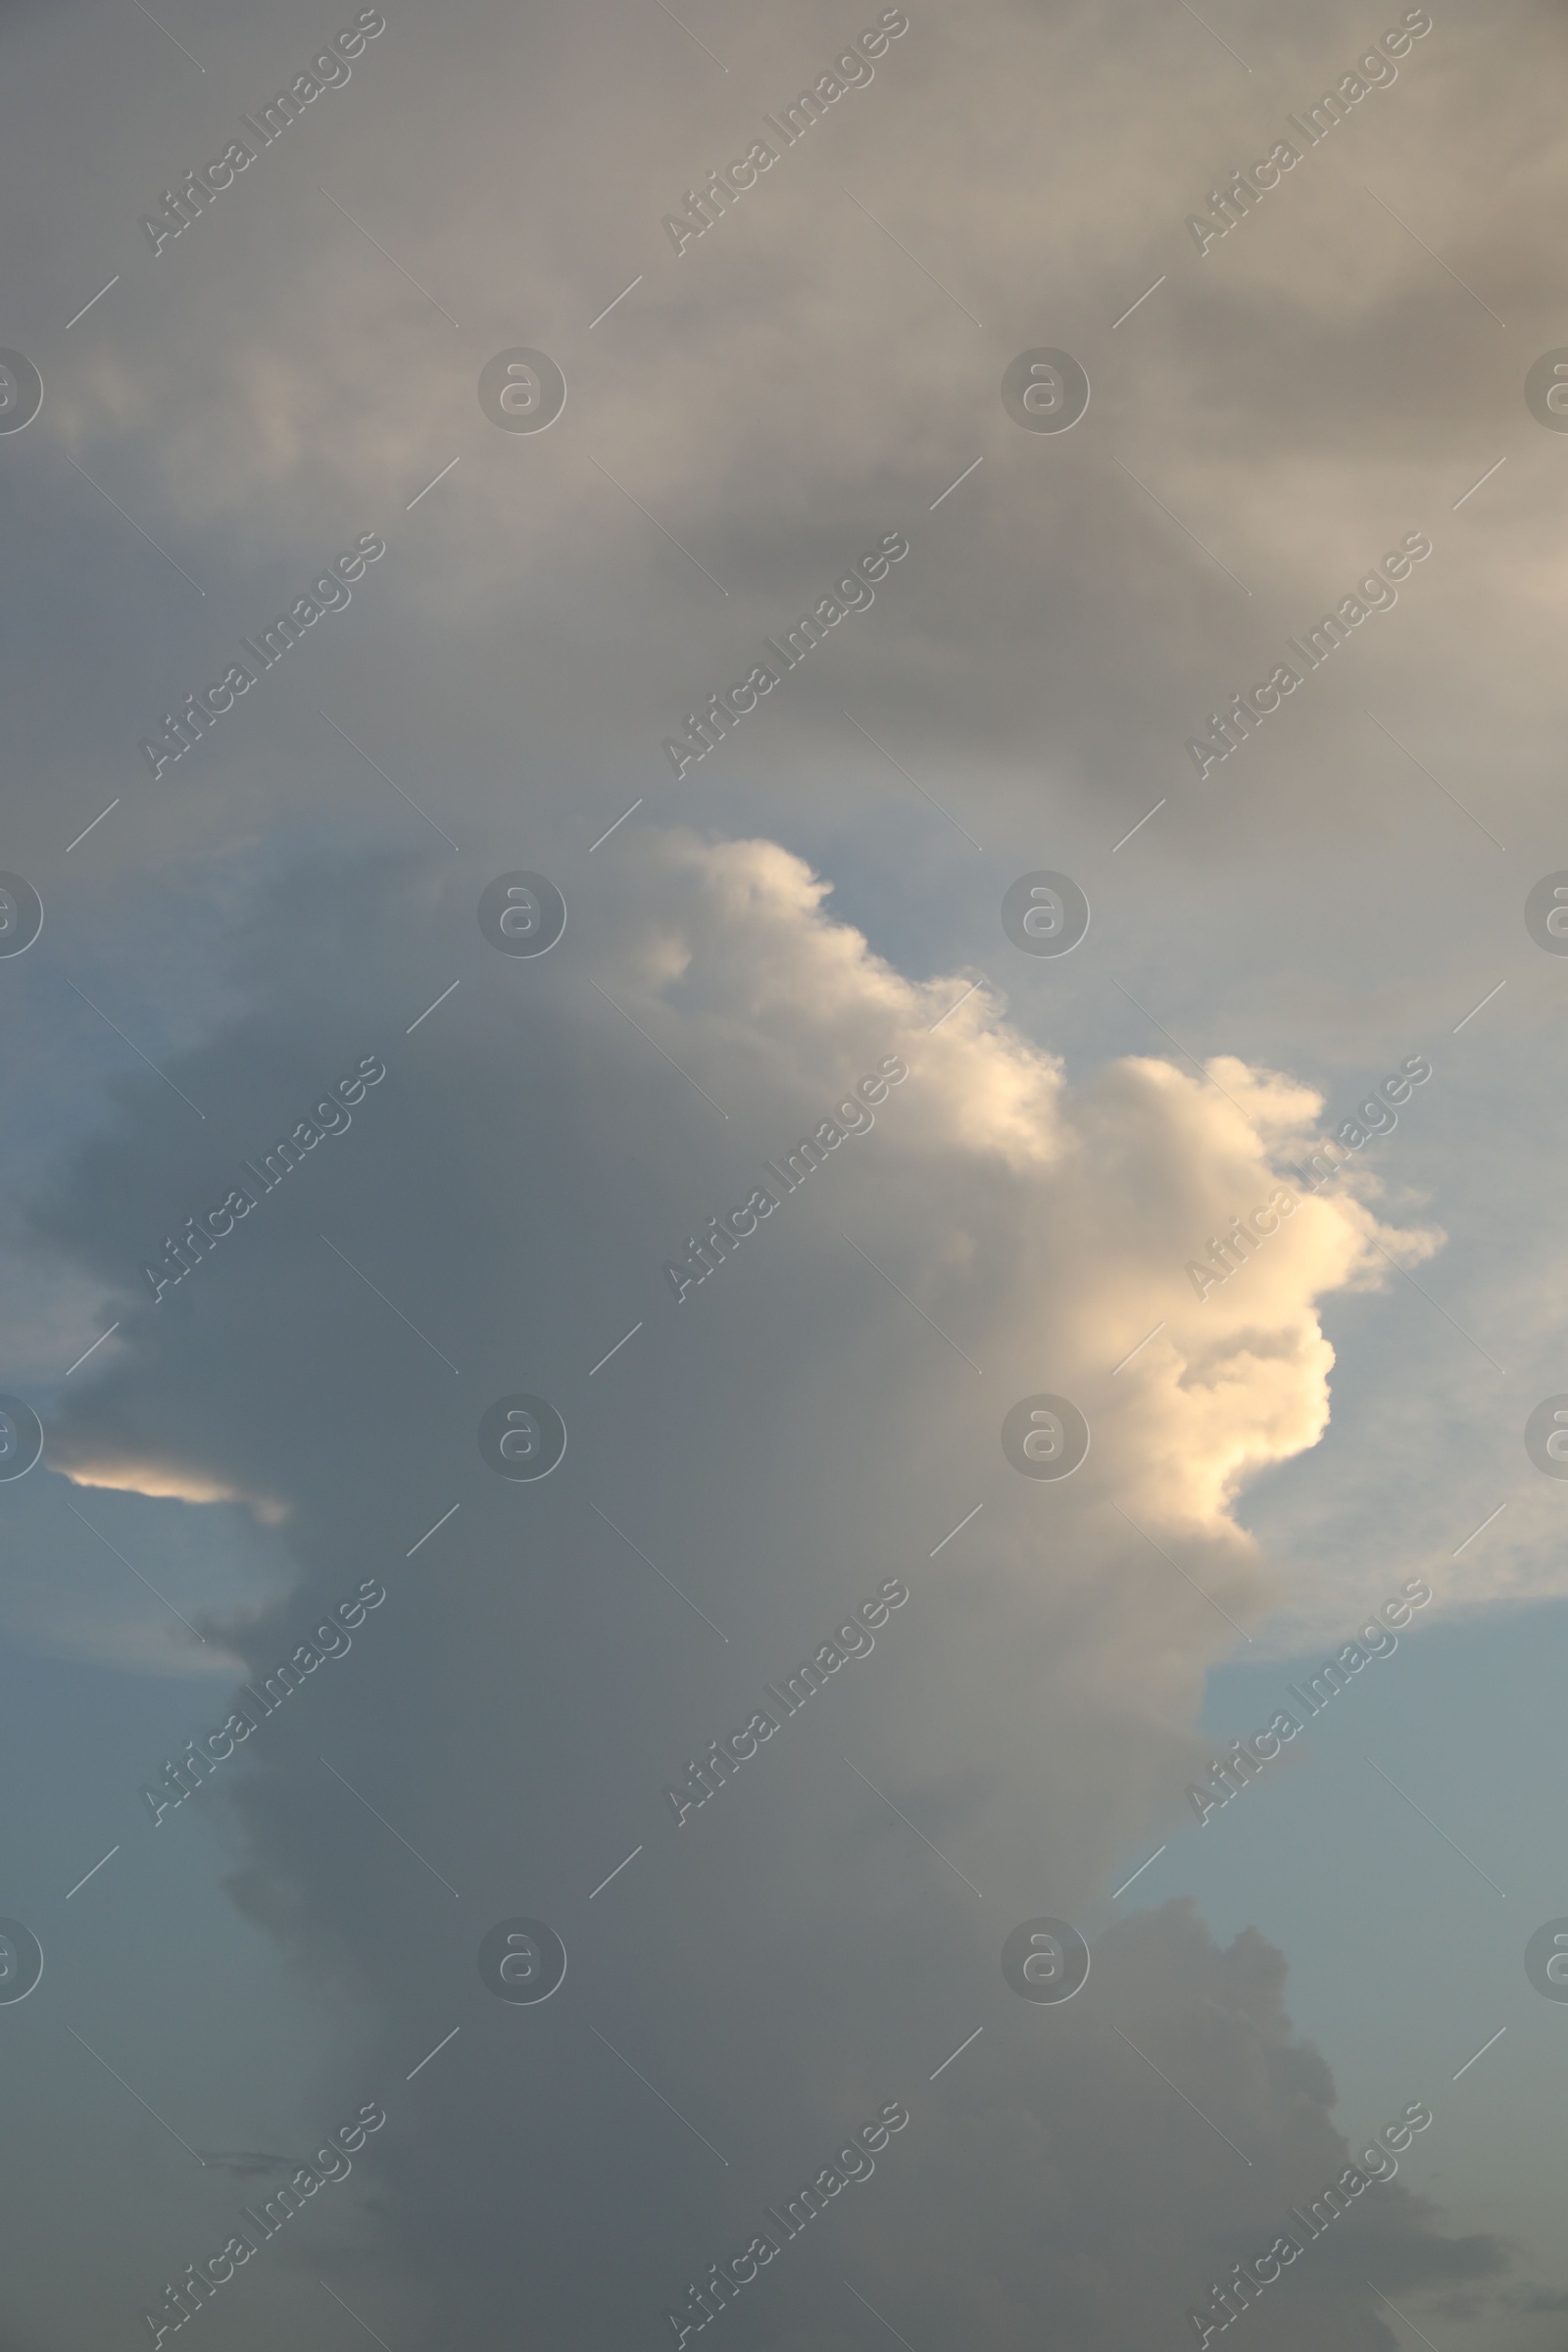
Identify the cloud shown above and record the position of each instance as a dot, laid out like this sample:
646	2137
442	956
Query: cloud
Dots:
809	1419
998	1184
1283	430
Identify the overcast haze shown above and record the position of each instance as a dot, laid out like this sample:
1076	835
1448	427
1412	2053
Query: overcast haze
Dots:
771	1161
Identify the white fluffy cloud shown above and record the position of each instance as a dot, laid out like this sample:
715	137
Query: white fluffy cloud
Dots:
1047	1224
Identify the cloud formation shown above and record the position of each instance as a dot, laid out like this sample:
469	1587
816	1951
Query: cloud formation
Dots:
1000	1230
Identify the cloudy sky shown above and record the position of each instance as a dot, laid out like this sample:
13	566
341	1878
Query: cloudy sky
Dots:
257	426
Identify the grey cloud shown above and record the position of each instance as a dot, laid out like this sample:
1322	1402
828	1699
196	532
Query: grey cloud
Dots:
791	1953
806	1423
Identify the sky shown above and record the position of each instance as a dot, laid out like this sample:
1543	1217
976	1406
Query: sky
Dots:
806	1132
